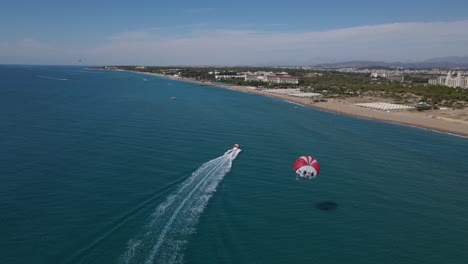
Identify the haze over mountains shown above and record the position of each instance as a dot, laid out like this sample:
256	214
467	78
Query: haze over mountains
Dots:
444	62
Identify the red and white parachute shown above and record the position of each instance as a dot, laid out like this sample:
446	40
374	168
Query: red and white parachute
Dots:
307	167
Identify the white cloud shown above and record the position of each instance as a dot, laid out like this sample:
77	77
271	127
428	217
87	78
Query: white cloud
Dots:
31	51
29	44
389	42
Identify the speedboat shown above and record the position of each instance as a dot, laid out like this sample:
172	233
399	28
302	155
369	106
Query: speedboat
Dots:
234	151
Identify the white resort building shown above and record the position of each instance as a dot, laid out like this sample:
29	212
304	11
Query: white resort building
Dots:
272	78
254	77
217	77
282	79
450	80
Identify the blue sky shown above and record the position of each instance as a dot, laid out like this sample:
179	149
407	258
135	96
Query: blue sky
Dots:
229	33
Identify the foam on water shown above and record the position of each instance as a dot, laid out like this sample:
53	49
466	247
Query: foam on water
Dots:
294	103
165	236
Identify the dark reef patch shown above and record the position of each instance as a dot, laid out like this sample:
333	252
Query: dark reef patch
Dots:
326	206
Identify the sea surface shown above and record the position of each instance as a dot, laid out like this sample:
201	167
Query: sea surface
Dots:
101	167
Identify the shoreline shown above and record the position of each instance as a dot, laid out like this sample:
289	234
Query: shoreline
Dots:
414	119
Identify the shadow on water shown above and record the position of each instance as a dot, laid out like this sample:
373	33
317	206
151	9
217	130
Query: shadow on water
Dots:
326	206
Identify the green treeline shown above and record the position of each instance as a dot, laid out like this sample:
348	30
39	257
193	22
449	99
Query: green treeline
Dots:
352	85
329	83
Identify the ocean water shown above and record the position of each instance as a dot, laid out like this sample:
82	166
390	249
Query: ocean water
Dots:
101	167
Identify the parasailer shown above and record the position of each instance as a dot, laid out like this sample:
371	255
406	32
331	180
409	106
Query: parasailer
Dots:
306	167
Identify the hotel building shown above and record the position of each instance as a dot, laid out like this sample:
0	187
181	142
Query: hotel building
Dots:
452	81
272	78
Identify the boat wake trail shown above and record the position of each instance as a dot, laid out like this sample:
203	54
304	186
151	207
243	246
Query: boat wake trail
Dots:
164	237
52	78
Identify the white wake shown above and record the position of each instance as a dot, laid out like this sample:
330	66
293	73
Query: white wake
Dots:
52	78
165	236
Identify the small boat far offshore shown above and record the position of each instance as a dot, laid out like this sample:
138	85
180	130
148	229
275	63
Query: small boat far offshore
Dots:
172	98
236	147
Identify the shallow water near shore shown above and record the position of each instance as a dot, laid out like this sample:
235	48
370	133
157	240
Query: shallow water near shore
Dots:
94	163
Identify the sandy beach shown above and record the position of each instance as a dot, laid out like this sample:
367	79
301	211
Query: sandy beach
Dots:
448	121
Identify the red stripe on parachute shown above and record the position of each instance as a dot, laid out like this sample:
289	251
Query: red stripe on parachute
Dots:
307	161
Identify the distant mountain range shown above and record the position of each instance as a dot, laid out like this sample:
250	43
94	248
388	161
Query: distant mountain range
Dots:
440	62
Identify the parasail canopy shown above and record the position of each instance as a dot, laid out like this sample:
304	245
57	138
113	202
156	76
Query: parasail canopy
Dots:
307	167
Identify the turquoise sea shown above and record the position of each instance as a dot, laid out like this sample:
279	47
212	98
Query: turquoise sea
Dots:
101	167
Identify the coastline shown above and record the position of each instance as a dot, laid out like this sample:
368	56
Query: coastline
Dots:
427	119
